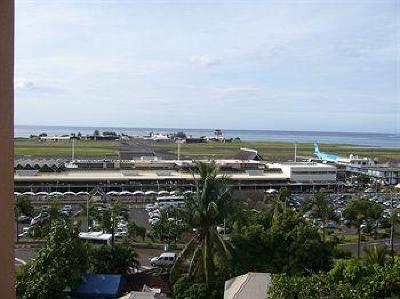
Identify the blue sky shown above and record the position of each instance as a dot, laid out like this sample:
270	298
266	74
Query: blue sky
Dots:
279	65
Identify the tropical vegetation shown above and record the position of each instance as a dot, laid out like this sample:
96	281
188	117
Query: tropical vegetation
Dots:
353	278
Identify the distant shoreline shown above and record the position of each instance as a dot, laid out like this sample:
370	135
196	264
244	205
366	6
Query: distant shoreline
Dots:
205	129
378	140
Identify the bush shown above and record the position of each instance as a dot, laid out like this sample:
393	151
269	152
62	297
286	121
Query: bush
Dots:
348	279
173	246
341	253
113	260
186	288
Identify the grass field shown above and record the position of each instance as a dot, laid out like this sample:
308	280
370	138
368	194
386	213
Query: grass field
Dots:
269	150
64	148
275	150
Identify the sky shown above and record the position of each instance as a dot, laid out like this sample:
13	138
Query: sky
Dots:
273	65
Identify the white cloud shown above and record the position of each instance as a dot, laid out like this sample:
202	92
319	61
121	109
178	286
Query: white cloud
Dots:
20	83
205	60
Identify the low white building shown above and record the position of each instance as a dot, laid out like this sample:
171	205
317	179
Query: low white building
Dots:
309	172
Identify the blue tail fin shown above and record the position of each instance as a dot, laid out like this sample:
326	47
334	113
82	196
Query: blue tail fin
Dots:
316	148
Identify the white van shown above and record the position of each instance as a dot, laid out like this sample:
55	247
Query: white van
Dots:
166	259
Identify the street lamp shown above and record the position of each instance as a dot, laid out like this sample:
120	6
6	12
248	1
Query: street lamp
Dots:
179	142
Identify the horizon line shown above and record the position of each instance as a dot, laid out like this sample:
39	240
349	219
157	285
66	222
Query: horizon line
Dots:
211	129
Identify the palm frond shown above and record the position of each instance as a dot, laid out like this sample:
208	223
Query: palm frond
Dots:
185	253
194	263
207	259
220	246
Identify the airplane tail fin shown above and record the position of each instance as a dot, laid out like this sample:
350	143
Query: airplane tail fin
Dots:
316	148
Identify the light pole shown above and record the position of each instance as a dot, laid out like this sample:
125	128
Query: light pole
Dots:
179	142
73	149
87	211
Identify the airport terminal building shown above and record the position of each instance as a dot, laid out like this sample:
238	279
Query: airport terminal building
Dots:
156	175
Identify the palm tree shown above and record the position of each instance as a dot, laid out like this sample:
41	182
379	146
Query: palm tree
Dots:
323	210
276	206
109	217
204	210
394	218
23	206
360	211
376	255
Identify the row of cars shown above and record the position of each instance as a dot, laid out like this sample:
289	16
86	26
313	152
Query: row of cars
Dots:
339	202
44	215
163	203
120	231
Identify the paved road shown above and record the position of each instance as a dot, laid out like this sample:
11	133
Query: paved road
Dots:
24	255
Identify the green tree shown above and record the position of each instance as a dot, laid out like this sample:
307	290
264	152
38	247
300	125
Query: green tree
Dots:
49	215
23	206
285	242
162	230
394	220
109	217
54	209
349	279
135	230
117	259
104	220
57	266
361	211
169	228
206	244
323	210
363	180
90	210
186	288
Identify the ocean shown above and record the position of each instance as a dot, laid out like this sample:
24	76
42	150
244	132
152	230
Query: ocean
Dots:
365	139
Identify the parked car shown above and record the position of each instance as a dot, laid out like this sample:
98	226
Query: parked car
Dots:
25	232
222	230
67	207
24	219
153	221
150	207
166	259
121	232
122	223
40	218
155	213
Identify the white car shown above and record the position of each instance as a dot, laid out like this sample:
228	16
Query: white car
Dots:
166	259
25	232
122	223
150	207
222	230
153	221
121	232
155	213
67	207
